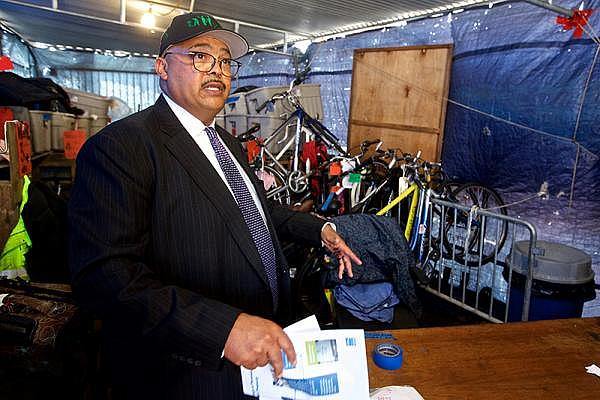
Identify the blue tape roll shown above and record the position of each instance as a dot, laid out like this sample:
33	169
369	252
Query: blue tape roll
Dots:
388	356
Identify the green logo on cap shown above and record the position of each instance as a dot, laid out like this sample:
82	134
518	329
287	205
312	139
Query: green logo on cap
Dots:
204	20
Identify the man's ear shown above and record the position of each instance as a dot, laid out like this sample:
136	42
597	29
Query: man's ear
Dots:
160	67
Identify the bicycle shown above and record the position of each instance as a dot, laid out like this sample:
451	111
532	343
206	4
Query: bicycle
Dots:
462	237
337	182
287	182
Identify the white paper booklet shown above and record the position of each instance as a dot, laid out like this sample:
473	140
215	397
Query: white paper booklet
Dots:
330	365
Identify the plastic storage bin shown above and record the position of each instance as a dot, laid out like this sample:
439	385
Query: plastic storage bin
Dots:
91	103
61	122
563	280
83	123
41	130
236	104
97	123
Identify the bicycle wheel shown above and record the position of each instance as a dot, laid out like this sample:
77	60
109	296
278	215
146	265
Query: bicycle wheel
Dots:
307	289
367	198
275	185
470	238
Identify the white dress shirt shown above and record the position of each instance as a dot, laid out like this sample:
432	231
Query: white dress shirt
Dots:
195	128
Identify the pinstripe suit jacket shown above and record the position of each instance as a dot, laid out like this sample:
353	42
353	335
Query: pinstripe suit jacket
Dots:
160	251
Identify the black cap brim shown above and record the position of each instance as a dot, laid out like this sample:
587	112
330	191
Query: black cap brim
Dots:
238	46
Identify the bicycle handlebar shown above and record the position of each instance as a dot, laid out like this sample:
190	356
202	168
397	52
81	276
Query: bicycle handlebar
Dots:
249	134
275	97
368	143
262	106
300	77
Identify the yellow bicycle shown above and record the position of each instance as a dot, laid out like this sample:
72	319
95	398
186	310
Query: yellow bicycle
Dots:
405	192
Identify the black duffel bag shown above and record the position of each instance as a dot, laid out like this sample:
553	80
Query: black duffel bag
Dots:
34	93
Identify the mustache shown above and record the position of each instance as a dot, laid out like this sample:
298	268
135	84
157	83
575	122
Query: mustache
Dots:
214	81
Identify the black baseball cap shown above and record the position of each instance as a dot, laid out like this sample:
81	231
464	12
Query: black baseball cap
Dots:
189	25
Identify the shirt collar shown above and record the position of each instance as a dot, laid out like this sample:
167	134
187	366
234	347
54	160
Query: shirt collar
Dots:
189	122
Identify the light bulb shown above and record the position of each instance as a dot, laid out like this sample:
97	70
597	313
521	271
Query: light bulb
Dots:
148	20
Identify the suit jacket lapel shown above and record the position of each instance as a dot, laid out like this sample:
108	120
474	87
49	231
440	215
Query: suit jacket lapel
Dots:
234	147
230	142
183	147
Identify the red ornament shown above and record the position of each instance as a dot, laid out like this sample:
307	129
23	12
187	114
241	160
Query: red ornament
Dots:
6	64
579	19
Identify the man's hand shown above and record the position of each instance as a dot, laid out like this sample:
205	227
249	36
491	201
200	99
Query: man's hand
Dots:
255	342
336	245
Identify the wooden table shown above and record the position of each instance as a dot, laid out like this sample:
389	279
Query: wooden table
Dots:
530	360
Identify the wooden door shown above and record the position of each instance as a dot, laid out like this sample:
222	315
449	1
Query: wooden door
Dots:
399	95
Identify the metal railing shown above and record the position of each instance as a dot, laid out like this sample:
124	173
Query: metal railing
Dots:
483	288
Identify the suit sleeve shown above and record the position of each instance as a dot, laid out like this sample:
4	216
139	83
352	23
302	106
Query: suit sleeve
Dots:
110	224
296	226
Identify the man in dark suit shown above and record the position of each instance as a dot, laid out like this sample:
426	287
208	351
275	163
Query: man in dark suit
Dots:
172	241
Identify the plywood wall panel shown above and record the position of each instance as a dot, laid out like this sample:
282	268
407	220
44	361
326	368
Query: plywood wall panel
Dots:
399	95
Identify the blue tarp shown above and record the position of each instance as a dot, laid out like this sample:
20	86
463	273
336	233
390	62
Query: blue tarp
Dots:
517	83
516	64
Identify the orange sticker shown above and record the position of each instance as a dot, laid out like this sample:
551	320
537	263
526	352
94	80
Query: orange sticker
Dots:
335	169
253	149
73	140
23	148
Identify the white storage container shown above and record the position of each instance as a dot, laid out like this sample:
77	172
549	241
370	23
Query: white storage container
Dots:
41	130
236	124
61	122
83	123
91	103
236	104
97	123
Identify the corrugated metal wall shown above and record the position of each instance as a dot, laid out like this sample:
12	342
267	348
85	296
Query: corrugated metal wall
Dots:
138	89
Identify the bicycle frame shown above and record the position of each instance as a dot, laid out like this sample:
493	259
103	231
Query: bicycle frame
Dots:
298	115
306	128
413	188
417	226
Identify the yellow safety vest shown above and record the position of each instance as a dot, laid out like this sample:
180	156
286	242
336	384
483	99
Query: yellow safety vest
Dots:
12	259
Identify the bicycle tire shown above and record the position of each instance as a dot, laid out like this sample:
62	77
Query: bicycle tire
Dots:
455	232
308	292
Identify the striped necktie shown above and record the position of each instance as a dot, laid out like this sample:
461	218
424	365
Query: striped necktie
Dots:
256	226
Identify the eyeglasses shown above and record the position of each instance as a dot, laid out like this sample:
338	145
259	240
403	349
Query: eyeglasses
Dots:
204	62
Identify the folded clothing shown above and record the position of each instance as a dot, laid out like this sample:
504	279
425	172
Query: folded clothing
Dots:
368	301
